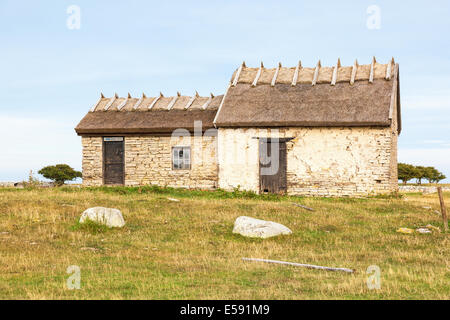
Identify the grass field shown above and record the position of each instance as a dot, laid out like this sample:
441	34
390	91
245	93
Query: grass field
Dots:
186	249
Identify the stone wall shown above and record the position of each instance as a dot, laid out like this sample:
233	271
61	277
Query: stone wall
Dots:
148	161
423	189
92	162
320	161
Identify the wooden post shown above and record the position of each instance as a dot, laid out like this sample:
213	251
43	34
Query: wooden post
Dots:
443	209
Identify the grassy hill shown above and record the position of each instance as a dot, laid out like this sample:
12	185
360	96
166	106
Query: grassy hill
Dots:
186	249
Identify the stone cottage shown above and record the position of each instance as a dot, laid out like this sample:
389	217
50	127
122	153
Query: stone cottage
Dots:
321	131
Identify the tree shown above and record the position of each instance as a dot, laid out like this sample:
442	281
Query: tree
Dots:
419	173
436	176
406	172
440	176
430	174
60	173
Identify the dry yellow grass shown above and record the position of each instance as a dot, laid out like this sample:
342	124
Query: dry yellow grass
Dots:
186	250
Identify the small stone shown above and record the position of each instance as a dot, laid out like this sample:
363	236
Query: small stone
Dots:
112	218
173	199
423	230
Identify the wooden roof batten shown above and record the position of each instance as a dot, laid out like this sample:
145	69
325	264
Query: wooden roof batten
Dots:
354	69
111	101
120	106
238	73
296	72
258	74
150	107
138	103
372	70
172	102
316	73
98	101
274	79
191	100
335	72
208	102
390	65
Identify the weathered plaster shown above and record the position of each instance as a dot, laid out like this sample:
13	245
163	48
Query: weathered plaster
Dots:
320	161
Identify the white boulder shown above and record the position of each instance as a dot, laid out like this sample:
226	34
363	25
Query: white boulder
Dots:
255	228
110	217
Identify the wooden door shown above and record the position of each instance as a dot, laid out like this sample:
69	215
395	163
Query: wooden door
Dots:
113	161
272	176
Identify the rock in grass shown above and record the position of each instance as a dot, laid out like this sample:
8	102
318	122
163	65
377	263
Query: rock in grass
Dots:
109	217
255	228
423	230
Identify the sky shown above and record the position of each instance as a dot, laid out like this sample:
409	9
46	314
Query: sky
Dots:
53	72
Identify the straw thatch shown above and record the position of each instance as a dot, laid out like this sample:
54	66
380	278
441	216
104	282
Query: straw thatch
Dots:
130	119
309	98
306	105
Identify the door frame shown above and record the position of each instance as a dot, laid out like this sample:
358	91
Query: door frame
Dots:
104	162
280	140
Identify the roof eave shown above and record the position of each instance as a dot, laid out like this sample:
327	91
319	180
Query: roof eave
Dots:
303	124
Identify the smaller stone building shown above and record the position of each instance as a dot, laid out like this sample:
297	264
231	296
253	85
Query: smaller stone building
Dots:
166	141
321	131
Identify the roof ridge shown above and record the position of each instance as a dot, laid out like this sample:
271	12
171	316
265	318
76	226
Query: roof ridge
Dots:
130	103
314	75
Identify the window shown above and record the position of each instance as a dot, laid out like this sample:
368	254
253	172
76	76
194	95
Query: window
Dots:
181	158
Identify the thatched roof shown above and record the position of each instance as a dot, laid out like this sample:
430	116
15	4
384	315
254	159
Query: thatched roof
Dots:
359	95
128	115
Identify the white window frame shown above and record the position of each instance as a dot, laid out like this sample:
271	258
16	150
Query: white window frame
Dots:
184	162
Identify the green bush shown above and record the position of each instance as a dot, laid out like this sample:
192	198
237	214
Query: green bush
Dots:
60	173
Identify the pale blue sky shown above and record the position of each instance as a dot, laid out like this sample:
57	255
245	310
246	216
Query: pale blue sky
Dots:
51	76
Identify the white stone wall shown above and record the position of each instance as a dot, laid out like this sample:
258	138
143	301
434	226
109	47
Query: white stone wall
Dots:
320	161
